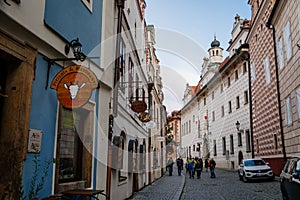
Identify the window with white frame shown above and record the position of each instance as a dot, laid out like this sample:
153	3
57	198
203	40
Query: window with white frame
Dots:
213	115
229	107
88	4
237	102
222	111
288	41
224	145
288	107
246	99
231	145
267	70
253	72
215	147
280	53
298	102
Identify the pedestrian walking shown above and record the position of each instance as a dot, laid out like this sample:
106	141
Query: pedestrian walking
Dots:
199	167
206	164
191	166
212	167
179	163
170	166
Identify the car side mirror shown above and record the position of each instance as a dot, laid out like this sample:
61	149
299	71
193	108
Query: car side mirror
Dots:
295	175
241	165
267	163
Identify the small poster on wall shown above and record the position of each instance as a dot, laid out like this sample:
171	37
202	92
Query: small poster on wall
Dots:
34	141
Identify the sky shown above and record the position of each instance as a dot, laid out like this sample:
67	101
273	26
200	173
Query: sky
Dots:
184	30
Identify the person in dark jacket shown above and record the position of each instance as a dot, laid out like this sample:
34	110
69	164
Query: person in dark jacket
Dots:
206	164
212	168
170	166
179	163
199	167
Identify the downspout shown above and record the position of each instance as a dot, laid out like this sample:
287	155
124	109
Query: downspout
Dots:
120	5
270	26
250	102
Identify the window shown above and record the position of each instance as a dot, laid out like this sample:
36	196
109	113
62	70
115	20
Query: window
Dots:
75	160
298	102
248	141
194	148
130	78
228	82
275	142
267	70
229	107
288	42
224	145
198	147
212	95
244	67
221	87
204	101
213	115
280	53
222	111
231	145
240	139
236	74
246	99
257	146
88	4
237	102
189	126
288	107
215	147
122	65
253	72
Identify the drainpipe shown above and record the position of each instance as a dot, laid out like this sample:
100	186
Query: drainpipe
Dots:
270	26
120	5
251	104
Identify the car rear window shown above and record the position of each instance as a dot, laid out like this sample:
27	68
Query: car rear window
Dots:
254	162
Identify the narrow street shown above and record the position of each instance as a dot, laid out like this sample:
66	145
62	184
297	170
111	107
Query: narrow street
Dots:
228	186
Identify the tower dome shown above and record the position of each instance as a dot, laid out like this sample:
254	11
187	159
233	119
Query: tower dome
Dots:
215	43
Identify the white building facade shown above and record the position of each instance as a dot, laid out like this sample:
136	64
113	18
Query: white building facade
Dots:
220	100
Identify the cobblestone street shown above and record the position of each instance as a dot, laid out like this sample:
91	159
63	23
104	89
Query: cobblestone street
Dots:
228	186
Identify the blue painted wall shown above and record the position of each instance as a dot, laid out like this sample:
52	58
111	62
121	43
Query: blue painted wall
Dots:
43	116
43	113
71	19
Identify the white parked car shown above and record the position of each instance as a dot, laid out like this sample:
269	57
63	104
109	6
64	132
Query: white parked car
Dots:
256	168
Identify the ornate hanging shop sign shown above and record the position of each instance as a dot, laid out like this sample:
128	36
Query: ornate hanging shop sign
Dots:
74	85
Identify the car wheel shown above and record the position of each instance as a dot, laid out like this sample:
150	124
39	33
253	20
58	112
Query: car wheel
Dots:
245	179
240	177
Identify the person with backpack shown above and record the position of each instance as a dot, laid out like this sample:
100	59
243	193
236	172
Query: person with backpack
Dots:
191	164
199	167
179	163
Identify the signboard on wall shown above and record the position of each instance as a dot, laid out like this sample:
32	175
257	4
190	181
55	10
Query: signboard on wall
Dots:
74	85
34	141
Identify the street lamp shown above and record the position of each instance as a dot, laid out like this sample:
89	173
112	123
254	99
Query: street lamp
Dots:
76	48
237	124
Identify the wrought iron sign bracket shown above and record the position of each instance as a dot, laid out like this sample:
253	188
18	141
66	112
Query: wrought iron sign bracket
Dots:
51	62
